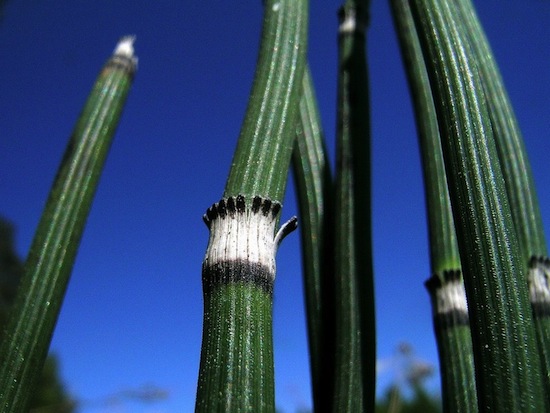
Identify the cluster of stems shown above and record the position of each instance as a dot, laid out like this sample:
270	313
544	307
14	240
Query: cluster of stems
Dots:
460	101
450	313
491	272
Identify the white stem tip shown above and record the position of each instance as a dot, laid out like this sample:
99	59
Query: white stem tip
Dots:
352	20
125	47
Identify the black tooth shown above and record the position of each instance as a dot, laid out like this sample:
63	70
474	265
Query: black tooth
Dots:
222	211
433	283
237	204
231	206
256	203
266	207
451	275
241	204
538	260
276	208
212	212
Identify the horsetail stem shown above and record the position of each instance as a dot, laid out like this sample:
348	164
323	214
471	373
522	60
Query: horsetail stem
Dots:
54	247
450	313
314	190
354	377
236	369
507	364
519	182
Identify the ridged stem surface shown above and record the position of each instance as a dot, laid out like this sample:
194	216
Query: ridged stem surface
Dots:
236	369
354	377
262	157
520	185
516	167
247	331
508	374
451	323
314	186
444	254
54	247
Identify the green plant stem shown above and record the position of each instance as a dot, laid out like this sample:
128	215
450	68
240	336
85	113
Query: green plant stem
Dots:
520	185
236	369
508	375
314	186
248	332
54	247
262	157
354	297
450	312
444	253
516	167
454	342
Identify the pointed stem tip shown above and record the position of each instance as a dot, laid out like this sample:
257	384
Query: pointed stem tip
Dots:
125	47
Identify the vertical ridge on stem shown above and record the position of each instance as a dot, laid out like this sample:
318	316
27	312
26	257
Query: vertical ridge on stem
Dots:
236	369
355	347
314	185
450	313
55	244
507	363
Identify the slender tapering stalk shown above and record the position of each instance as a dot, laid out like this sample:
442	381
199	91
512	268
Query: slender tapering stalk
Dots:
450	314
509	141
53	250
519	181
354	298
264	149
236	370
444	255
314	188
507	363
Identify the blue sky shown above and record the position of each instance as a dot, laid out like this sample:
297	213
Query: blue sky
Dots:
133	310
